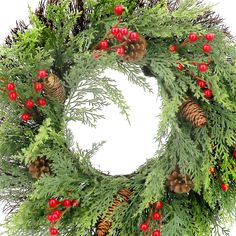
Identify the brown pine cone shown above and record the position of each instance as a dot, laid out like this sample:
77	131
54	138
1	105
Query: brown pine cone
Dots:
104	225
39	168
135	50
179	183
193	113
54	88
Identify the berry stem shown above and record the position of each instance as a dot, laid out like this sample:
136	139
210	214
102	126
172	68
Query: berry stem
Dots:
194	76
2	79
121	44
107	35
119	21
35	80
209	60
19	104
187	41
184	43
198	63
63	213
3	90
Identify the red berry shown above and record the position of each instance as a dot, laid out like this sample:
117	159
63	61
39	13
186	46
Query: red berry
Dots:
12	96
42	74
156	233
55	217
234	154
53	231
25	117
180	66
10	86
29	104
144	227
67	203
210	36
134	36
53	202
120	51
104	44
193	37
208	93
115	30
75	203
158	205
42	102
119	36
124	31
50	218
206	48
173	48
202	83
38	86
224	187
118	10
156	216
203	67
57	212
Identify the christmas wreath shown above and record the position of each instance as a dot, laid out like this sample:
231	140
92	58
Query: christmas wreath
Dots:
51	72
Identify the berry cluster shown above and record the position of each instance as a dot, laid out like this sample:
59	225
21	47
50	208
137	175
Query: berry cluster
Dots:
116	39
213	171
13	95
58	210
203	66
153	219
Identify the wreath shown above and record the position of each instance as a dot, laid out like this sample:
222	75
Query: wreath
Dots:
51	72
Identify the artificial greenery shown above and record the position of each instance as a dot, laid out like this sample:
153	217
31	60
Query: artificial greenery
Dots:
61	40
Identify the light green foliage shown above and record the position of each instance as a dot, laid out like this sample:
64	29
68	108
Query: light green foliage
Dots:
58	48
91	90
31	153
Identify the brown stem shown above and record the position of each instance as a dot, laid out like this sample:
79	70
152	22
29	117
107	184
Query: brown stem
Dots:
184	43
187	41
120	45
107	34
2	79
194	76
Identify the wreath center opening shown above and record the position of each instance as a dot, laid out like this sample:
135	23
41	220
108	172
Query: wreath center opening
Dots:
127	145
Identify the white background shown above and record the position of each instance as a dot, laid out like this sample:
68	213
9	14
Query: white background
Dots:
128	146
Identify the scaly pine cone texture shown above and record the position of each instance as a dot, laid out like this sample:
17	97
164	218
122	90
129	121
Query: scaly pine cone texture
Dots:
135	50
179	183
39	168
192	112
104	225
54	88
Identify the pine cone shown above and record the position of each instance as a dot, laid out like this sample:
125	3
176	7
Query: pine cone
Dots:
135	50
54	88
104	225
103	228
192	112
179	183
39	168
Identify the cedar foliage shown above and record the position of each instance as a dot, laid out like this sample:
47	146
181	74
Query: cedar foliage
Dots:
60	40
